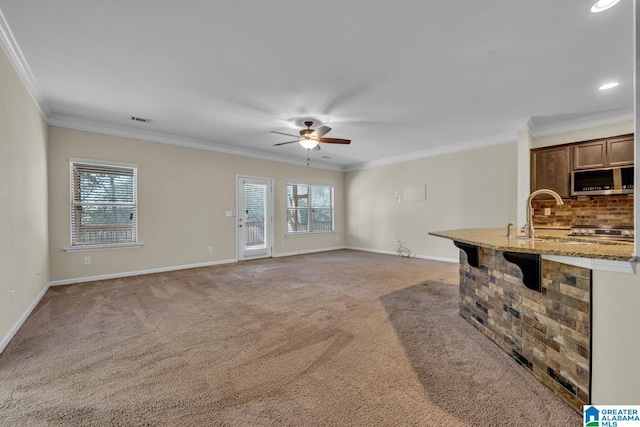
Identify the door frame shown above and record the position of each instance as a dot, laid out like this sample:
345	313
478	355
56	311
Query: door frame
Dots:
269	223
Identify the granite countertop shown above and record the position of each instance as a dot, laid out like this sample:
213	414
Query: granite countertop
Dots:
496	238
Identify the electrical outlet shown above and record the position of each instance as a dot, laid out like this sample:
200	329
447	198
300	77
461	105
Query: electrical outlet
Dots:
210	249
547	211
87	260
13	296
35	278
398	242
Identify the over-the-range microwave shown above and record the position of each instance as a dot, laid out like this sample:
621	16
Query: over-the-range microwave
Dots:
589	182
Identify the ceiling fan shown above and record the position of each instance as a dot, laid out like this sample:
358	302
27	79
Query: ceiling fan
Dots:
310	138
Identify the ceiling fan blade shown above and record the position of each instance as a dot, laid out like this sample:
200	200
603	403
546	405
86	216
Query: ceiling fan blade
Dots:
283	143
335	140
322	130
287	134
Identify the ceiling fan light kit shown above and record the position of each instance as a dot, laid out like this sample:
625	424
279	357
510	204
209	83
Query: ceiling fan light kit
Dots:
310	138
308	143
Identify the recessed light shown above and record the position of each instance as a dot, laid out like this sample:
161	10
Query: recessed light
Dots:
608	85
603	5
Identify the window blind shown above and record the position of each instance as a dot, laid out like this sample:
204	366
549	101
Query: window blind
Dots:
103	204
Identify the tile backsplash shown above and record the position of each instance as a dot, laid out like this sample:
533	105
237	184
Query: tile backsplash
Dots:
593	210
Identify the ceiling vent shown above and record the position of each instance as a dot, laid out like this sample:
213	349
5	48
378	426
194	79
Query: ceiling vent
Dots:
140	119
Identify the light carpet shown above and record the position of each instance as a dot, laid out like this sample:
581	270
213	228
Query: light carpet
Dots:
328	339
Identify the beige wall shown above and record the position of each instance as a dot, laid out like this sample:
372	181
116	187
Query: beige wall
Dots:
183	194
470	189
478	189
615	346
24	258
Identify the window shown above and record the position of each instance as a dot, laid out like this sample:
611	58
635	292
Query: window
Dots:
309	208
103	204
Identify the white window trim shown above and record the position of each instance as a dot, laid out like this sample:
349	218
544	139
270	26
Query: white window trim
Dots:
333	210
89	248
102	162
306	233
106	246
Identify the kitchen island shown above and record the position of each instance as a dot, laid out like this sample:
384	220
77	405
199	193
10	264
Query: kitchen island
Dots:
547	242
538	310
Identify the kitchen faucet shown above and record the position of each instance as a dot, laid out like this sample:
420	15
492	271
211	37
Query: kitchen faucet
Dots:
509	229
529	232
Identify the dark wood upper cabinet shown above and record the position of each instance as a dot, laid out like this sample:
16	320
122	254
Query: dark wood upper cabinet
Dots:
551	168
620	151
590	155
603	153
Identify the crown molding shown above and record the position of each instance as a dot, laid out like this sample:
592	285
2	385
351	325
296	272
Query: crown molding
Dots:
577	123
16	58
75	123
583	122
437	151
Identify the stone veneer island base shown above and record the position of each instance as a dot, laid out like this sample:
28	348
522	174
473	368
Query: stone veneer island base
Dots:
542	318
547	332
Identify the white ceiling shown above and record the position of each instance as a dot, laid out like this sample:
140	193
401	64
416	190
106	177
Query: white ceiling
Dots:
401	79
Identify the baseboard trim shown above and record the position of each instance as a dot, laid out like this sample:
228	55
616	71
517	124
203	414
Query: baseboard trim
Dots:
138	272
14	330
225	261
310	251
16	327
375	251
427	257
437	258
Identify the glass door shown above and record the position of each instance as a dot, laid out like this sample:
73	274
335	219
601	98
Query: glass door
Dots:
255	218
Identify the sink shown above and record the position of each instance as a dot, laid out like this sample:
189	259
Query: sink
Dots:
573	242
563	240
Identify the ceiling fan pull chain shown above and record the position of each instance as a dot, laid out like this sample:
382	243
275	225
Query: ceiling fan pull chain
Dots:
308	152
